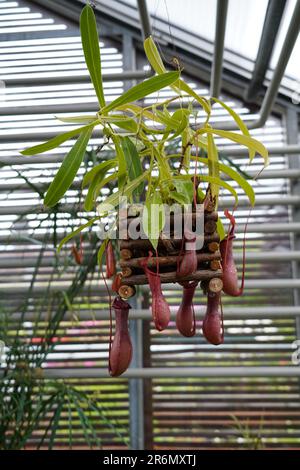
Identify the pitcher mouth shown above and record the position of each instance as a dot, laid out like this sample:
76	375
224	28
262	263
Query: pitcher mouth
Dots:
121	304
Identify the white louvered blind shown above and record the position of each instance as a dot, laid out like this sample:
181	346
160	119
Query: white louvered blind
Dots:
187	413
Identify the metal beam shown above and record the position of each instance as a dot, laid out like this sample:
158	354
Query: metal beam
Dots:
272	227
22	261
61	8
278	73
261	201
195	52
145	314
74	79
43	136
136	385
145	18
217	65
225	202
23	186
283	150
279	150
162	372
273	88
292	131
136	392
96	287
270	30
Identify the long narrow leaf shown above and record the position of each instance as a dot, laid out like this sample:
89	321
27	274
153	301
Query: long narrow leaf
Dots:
143	89
241	139
77	119
102	168
156	62
218	182
124	122
112	201
138	111
213	165
95	189
121	161
75	232
58	140
240	123
153	218
55	423
101	252
247	188
133	163
96	185
221	229
153	56
68	170
90	44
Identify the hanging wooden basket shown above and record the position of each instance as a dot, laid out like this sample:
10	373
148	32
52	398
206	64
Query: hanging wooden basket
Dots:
134	252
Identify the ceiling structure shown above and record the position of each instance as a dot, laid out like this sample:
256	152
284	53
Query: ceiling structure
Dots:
251	375
265	58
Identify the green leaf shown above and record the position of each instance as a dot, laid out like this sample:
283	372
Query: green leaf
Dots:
133	163
169	121
128	124
68	170
181	117
102	168
249	142
58	140
247	188
225	158
213	164
138	111
241	182
153	55
156	62
77	119
90	45
95	189
153	218
180	198
75	232
185	190
218	182
186	148
55	423
143	89
220	229
240	123
113	199
101	252
121	161
96	185
201	100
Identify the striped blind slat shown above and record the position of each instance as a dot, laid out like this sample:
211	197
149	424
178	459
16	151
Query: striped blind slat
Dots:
202	413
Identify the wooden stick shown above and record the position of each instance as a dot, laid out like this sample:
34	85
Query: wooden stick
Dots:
213	246
125	253
215	263
144	244
215	285
126	271
210	206
210	226
208	216
126	291
168	260
140	279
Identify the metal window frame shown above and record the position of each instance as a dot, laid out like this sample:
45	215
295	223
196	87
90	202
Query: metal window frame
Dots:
137	373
